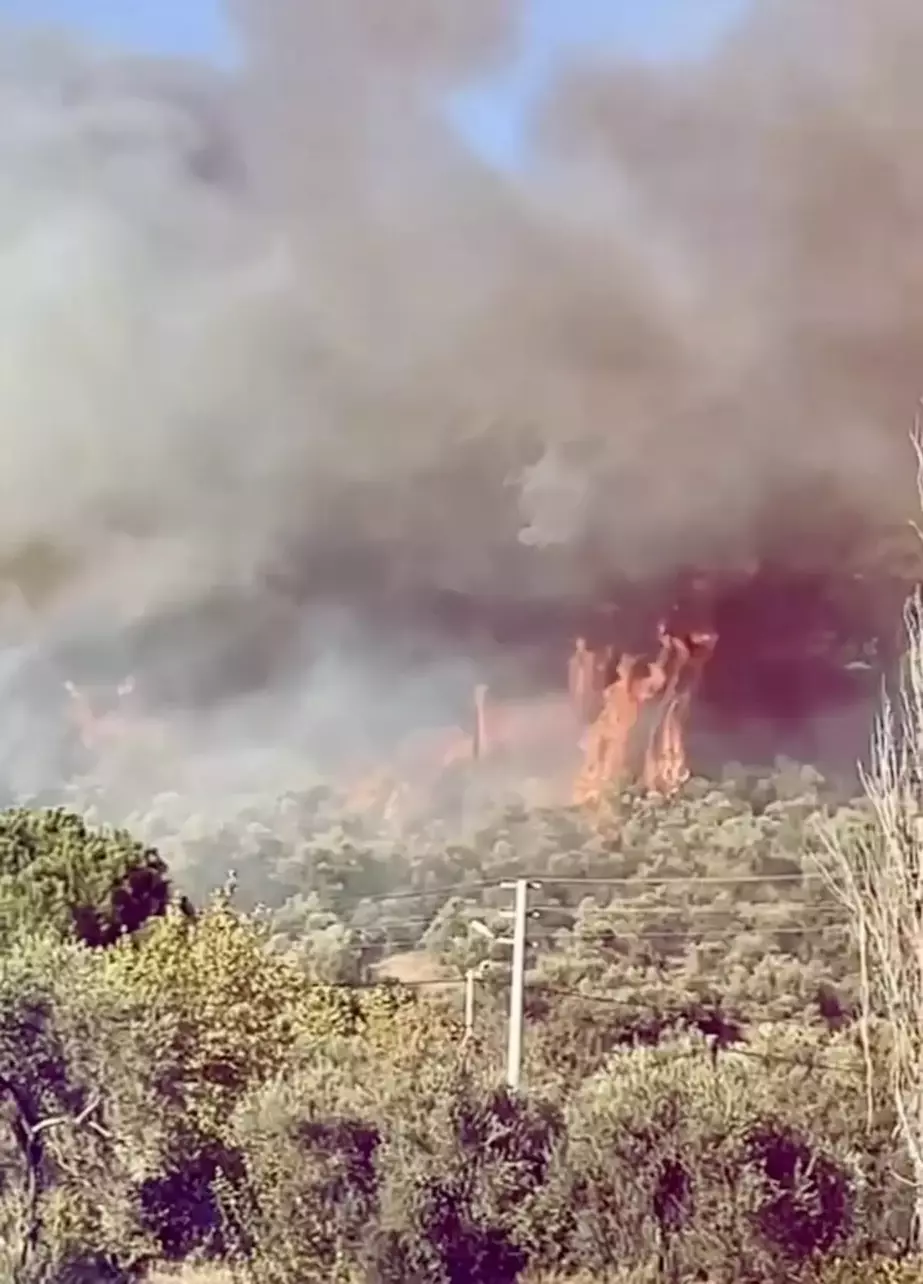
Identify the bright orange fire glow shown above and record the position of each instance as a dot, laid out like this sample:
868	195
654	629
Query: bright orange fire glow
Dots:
665	765
598	718
607	745
671	679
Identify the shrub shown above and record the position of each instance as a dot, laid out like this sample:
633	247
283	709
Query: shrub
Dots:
877	1270
456	1189
674	1159
78	1127
227	1011
310	1181
223	1015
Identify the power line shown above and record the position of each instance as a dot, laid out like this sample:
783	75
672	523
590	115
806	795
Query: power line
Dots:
450	890
465	889
662	907
709	1006
356	930
549	880
809	923
770	1058
774	1058
392	983
714	935
680	880
646	1002
721	1048
421	921
799	915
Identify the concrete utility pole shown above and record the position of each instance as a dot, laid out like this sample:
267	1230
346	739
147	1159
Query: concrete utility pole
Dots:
520	914
470	977
473	974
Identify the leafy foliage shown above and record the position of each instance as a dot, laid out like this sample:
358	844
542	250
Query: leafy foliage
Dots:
696	1094
57	873
76	1128
227	1010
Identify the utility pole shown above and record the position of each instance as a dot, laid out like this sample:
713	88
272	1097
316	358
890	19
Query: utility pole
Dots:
520	914
473	975
469	1002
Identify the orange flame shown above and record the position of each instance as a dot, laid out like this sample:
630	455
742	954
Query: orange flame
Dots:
666	767
672	677
521	733
607	743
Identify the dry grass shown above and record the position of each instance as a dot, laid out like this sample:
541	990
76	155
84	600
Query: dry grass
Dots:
216	1275
587	1277
191	1275
415	967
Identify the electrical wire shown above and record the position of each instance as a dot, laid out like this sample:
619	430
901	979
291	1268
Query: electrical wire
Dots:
450	890
660	907
678	880
716	1051
715	935
646	1003
554	880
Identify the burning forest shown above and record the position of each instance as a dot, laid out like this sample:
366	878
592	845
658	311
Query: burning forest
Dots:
347	422
614	714
478	574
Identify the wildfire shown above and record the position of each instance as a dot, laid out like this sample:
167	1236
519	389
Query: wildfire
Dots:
670	679
602	717
99	731
507	740
665	764
116	733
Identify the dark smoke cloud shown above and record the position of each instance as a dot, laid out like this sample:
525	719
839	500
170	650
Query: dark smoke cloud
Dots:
698	308
273	344
782	181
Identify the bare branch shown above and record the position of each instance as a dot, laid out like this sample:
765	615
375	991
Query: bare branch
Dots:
28	1132
76	1121
878	877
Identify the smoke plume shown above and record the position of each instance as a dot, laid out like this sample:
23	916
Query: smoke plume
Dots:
276	350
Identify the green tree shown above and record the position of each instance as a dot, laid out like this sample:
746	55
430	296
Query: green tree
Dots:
227	1010
92	886
759	1155
79	1127
223	1014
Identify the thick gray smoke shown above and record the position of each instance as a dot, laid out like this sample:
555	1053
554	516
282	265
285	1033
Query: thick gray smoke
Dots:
273	344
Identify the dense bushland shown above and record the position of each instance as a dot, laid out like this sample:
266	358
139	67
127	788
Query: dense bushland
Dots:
225	1081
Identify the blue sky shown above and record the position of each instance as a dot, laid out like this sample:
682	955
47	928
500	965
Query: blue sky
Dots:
489	115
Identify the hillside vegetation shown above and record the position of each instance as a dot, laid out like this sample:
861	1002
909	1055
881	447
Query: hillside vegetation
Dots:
224	1084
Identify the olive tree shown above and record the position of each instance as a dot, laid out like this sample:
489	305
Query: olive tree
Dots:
79	1128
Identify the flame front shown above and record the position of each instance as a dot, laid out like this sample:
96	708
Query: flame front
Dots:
510	741
666	767
671	679
599	719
